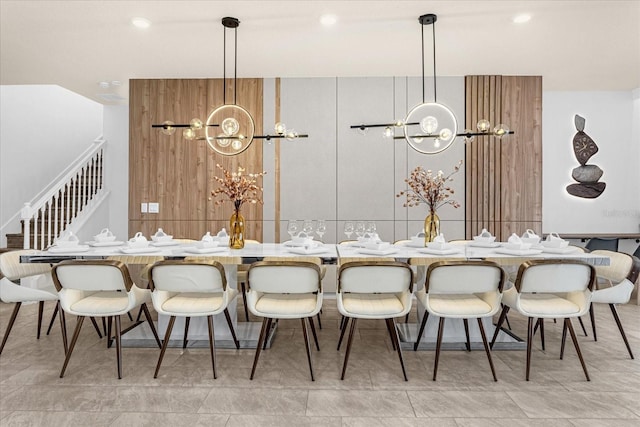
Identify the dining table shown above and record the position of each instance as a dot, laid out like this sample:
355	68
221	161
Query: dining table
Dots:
416	254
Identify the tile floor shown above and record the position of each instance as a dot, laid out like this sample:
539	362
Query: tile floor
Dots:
373	393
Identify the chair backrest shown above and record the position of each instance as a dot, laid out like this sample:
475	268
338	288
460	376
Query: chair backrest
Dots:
314	259
284	277
555	276
464	277
187	276
92	275
621	266
13	269
636	253
605	244
375	277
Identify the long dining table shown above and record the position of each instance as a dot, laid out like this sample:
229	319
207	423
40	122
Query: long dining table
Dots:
248	332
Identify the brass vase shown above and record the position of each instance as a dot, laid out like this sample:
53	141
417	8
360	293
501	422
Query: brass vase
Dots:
236	229
431	227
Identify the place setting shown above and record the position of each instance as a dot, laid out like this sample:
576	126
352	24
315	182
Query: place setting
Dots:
67	243
209	244
138	244
440	246
105	239
515	245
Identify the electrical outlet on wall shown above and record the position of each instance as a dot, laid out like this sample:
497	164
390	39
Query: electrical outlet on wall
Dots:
154	207
144	208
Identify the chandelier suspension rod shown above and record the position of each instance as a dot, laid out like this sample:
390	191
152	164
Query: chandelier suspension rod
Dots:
423	92
235	65
435	94
224	65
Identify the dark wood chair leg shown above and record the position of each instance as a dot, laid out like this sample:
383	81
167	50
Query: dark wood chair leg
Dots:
118	346
147	315
212	347
244	301
503	316
421	331
529	345
185	338
487	349
307	347
263	333
40	310
63	328
231	329
130	317
592	316
12	319
354	321
104	327
95	326
319	320
313	332
74	339
584	330
109	326
396	339
393	343
438	345
264	344
165	343
577	346
564	340
619	323
466	332
139	314
53	317
343	327
541	321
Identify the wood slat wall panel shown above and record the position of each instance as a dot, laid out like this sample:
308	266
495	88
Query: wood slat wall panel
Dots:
177	173
504	178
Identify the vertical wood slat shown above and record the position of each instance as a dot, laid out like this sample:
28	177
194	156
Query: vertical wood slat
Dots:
277	168
178	173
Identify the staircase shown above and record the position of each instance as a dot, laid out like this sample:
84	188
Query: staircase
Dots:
63	205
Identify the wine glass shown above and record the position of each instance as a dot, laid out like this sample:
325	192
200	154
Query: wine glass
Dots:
292	228
348	229
371	227
307	227
360	229
321	228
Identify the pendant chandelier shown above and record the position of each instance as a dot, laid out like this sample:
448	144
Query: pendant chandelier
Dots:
431	127
229	129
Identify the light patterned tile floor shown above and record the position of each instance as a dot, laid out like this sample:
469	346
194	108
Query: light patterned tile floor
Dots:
282	394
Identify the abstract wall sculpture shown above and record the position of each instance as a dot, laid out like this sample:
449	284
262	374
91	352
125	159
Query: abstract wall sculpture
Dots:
587	176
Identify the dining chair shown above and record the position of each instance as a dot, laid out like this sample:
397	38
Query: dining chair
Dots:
11	292
283	290
550	288
614	286
374	290
602	244
242	280
191	289
98	288
461	290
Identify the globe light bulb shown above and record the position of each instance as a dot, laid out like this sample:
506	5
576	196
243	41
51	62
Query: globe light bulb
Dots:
196	123
189	134
445	134
167	127
292	135
484	125
418	139
501	130
467	135
399	123
280	128
429	125
236	144
363	130
230	126
436	143
387	132
222	141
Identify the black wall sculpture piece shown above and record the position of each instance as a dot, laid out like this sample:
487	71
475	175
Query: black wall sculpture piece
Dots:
587	176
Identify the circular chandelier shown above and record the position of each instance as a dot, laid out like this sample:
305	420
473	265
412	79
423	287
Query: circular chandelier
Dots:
229	129
431	127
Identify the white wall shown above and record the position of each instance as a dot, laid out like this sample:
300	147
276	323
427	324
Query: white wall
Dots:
612	121
43	128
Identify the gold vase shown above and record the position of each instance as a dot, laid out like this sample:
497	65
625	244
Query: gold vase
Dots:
431	227
236	227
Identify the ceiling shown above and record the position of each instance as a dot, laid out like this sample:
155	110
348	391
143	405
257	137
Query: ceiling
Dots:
574	45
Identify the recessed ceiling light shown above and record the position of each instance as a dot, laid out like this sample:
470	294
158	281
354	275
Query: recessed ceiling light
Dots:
141	22
522	18
328	20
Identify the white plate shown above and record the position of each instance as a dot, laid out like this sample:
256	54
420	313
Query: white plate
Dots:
485	244
312	251
292	244
565	250
413	244
382	252
68	249
211	250
105	244
146	250
521	252
167	243
449	251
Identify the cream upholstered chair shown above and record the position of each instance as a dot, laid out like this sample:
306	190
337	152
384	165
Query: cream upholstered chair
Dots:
550	288
284	290
374	290
99	288
191	289
11	292
461	290
615	285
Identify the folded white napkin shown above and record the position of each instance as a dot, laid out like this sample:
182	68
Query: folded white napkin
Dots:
484	236
303	239
138	241
530	236
161	236
440	239
207	241
553	240
104	236
222	233
377	246
67	238
516	243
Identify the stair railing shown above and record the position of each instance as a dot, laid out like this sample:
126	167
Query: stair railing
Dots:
65	199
